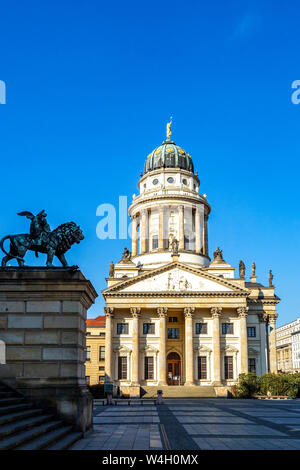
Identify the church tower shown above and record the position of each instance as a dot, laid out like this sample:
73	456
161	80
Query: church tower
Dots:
169	207
174	318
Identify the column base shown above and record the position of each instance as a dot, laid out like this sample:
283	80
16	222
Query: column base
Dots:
189	384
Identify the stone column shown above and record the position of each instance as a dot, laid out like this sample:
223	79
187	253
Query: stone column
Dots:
161	228
143	231
189	368
205	248
263	343
272	340
242	313
135	312
162	313
134	235
109	313
181	228
216	313
197	230
43	324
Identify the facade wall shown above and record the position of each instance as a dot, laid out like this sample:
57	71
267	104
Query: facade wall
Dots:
94	340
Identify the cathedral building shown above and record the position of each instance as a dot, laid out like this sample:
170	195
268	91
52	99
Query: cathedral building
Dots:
173	315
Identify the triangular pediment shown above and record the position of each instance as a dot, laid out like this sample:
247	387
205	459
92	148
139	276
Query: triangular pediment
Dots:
175	278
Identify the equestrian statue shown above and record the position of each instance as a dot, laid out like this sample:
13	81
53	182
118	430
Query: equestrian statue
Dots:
42	240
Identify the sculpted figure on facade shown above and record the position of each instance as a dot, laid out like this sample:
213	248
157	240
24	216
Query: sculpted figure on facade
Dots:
242	270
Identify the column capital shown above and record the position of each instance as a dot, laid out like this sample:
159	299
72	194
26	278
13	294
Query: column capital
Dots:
272	319
162	312
109	311
216	311
188	312
242	312
263	317
135	311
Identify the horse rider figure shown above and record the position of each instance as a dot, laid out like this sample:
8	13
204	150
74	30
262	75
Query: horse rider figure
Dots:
39	227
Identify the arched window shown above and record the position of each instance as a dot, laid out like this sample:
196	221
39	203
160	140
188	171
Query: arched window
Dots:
173	356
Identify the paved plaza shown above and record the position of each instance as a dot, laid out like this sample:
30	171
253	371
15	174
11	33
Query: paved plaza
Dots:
195	424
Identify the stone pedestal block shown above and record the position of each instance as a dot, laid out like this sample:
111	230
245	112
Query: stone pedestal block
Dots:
43	325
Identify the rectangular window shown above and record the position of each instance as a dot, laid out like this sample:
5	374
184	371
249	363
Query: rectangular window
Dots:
149	368
88	379
88	353
173	319
122	328
227	328
101	334
252	365
101	378
201	328
173	333
148	328
228	363
202	368
101	368
101	353
155	242
122	368
251	331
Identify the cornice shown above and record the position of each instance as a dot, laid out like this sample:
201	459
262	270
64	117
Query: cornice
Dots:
176	264
139	201
184	294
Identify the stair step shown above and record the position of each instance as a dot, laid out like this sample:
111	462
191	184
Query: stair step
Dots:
175	391
6	394
25	436
46	439
28	423
11	417
10	401
14	408
66	442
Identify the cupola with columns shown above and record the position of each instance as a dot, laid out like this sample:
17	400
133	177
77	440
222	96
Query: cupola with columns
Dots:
169	206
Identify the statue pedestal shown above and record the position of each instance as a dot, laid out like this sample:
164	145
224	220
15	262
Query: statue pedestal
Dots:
43	326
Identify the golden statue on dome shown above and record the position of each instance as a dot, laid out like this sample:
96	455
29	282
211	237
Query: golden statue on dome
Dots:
169	132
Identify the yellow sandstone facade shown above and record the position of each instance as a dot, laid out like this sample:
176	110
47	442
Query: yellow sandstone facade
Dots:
95	350
173	315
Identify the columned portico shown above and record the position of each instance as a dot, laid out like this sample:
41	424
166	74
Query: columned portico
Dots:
242	313
162	372
216	313
108	343
272	343
135	312
188	313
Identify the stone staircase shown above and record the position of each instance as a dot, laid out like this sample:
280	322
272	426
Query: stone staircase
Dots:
178	391
25	427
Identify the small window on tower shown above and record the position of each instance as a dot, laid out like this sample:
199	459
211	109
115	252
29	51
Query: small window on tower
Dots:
155	242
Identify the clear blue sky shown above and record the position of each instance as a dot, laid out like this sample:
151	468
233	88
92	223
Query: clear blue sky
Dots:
90	87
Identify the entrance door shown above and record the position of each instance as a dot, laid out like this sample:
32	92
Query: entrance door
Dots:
173	369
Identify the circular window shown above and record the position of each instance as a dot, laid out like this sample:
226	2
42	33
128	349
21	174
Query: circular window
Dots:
170	180
184	181
155	181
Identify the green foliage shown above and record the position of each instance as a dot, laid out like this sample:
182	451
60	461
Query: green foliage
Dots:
97	390
248	385
275	384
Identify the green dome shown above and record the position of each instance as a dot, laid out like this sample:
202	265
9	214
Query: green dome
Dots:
168	155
